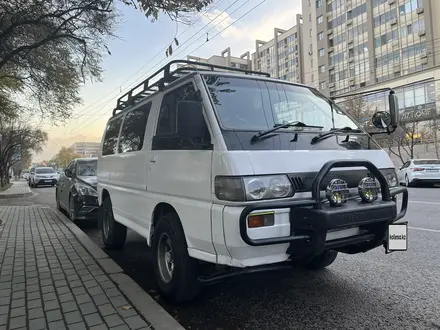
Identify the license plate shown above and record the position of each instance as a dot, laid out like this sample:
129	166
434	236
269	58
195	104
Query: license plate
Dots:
48	180
397	237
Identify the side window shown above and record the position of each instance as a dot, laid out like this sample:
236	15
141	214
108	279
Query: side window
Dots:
168	110
166	137
133	129
111	137
72	167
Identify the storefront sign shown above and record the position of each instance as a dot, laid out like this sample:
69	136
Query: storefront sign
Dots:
418	113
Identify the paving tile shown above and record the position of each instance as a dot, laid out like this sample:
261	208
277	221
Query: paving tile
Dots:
48	280
135	322
37	324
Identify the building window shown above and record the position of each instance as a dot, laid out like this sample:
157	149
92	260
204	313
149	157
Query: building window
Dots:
310	32
322	68
321	52
320	19
311	63
318	3
322	85
320	35
310	17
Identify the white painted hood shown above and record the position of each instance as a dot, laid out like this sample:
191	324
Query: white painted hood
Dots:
289	161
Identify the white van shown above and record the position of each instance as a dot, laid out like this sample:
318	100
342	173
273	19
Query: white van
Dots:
233	168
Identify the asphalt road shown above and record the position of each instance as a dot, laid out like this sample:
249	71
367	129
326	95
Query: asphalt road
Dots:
367	291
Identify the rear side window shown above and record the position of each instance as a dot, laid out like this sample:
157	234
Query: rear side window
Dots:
111	137
133	129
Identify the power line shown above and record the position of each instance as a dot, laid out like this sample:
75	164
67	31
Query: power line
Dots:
345	64
76	132
155	56
211	20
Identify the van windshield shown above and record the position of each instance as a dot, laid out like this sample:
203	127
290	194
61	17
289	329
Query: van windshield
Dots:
250	104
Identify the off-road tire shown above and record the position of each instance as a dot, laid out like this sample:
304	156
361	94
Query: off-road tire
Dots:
321	261
183	285
115	238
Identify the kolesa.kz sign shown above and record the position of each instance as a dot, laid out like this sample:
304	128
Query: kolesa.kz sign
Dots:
397	237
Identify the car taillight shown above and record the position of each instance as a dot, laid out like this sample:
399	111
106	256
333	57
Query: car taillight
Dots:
418	169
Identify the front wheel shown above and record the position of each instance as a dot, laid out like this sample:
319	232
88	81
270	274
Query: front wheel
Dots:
175	271
321	261
113	233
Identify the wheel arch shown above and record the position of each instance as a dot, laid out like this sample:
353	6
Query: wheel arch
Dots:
158	211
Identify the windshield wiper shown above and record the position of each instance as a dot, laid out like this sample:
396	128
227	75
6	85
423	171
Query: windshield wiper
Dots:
280	126
334	131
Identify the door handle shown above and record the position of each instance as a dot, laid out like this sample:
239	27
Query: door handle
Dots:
153	159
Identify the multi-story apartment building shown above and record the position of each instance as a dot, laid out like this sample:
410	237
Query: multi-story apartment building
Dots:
370	44
282	56
86	149
225	59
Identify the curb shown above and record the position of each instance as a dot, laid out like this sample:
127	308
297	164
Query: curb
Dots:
6	196
155	314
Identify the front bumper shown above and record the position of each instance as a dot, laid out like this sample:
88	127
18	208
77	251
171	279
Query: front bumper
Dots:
86	207
311	221
44	181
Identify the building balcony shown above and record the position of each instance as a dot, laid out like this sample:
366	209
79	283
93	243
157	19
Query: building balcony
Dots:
422	32
391	2
420	10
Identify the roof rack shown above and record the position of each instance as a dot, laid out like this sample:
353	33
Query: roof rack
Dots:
148	89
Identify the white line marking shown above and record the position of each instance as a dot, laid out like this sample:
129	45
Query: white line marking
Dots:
423	202
425	229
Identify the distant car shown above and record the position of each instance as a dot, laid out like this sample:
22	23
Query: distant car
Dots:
417	171
31	173
43	176
76	190
25	174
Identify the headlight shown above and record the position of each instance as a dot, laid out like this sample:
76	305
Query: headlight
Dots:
390	175
337	192
253	188
85	190
368	189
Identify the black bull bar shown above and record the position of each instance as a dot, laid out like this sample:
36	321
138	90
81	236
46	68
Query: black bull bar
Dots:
310	220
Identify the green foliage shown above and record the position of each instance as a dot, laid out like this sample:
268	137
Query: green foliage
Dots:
17	138
64	157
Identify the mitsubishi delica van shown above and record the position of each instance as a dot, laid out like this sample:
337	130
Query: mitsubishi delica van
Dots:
226	171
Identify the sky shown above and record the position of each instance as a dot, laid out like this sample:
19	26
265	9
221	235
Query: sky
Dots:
140	48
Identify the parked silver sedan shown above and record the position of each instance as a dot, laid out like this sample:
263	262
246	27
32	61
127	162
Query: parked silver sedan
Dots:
416	171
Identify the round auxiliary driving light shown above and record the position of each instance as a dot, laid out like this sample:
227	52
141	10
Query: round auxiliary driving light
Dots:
337	192
368	189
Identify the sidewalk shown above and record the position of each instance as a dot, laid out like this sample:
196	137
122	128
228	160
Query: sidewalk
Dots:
19	188
52	276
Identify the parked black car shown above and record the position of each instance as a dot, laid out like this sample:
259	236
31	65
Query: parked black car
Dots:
76	190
